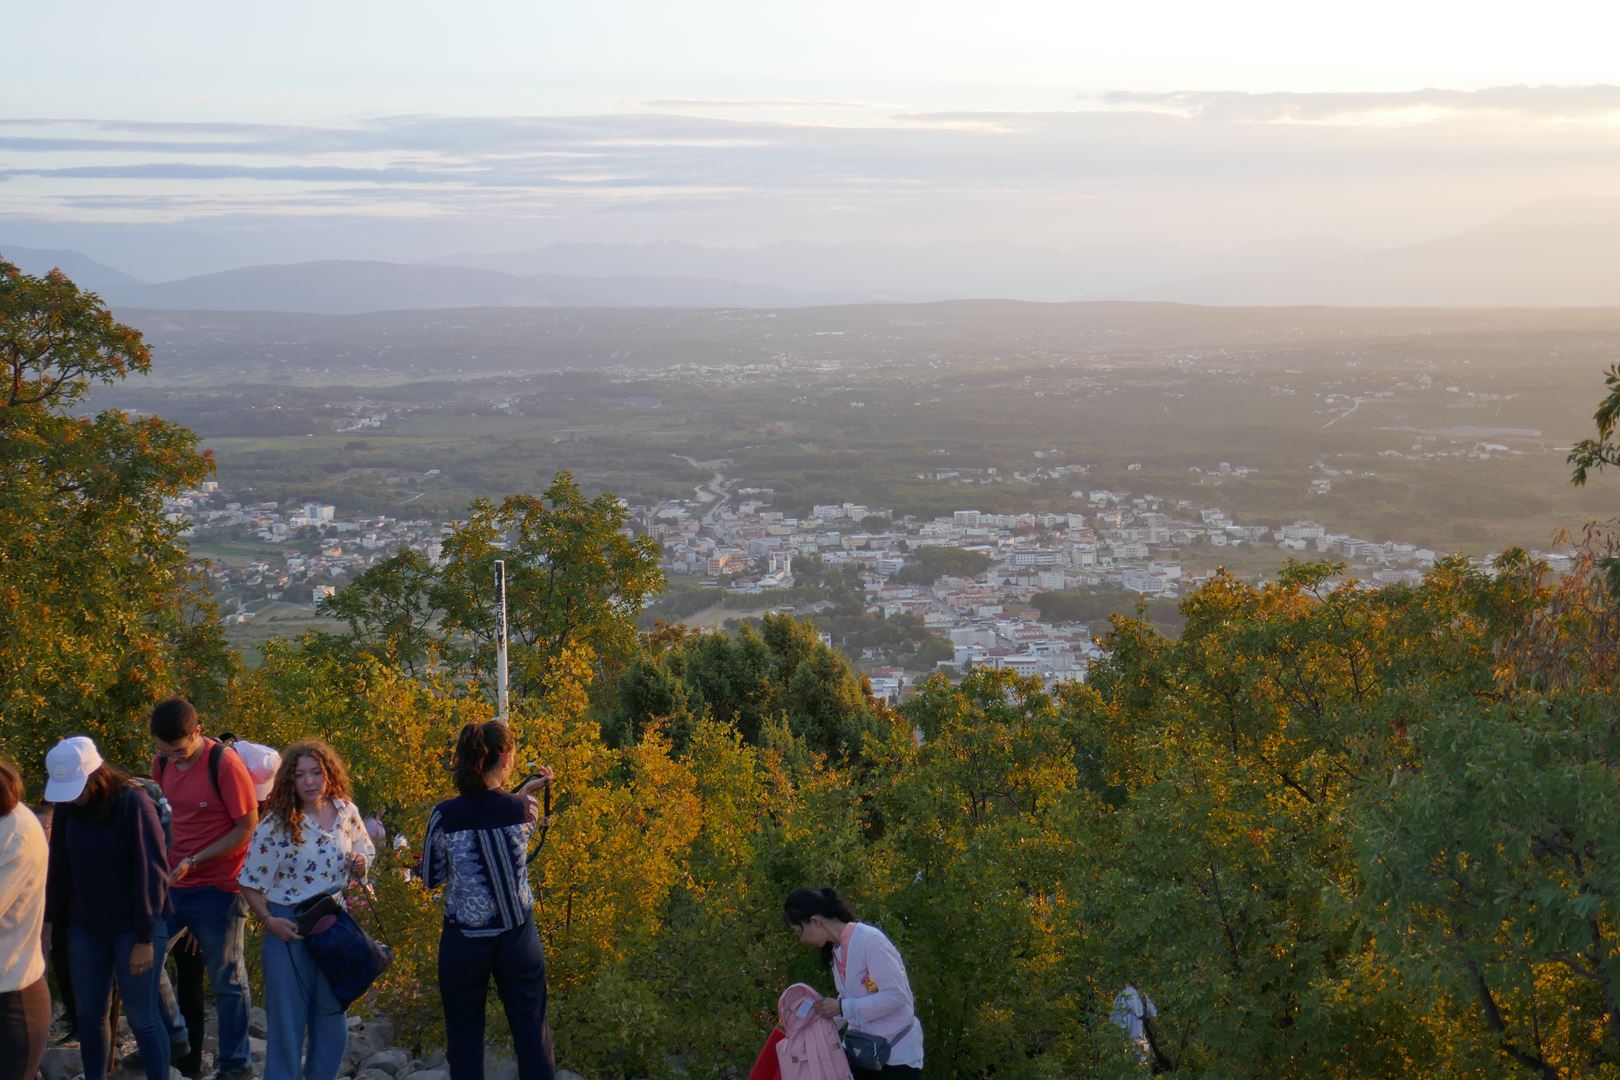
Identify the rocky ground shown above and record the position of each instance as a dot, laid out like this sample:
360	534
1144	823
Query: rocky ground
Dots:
370	1055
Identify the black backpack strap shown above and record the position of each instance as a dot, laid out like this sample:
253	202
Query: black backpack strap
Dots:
215	754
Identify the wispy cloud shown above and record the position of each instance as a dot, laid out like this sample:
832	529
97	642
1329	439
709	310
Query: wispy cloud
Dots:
1538	102
1195	152
779	103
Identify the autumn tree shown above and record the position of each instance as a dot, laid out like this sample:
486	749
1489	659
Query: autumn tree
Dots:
744	680
100	611
576	580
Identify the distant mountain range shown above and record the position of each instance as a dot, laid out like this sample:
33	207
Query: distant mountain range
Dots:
345	287
1555	253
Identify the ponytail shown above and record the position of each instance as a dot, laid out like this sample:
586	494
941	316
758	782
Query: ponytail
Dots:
802	904
478	748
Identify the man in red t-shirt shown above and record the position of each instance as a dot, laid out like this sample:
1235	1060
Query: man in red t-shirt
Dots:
212	810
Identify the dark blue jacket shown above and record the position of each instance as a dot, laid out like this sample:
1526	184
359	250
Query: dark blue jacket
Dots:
109	869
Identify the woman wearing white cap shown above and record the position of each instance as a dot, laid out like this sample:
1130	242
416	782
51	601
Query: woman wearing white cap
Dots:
109	878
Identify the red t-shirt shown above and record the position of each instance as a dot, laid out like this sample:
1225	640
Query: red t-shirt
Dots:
199	816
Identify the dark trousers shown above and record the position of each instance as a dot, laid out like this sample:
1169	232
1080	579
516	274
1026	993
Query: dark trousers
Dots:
516	961
190	975
25	1021
62	971
64	974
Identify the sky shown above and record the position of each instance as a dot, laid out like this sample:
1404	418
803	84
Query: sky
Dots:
183	136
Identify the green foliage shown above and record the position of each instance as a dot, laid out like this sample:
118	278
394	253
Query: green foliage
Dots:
1589	454
1095	605
744	681
928	564
575	581
100	612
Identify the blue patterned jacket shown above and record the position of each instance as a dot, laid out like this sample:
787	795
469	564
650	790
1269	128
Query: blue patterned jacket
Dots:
475	847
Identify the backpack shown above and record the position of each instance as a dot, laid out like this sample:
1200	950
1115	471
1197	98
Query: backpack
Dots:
811	1050
154	791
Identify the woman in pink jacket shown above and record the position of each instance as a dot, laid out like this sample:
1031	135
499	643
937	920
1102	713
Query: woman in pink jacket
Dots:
874	996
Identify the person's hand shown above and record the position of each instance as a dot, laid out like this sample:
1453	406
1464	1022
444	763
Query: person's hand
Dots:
140	958
186	943
357	865
828	1008
282	929
538	784
182	869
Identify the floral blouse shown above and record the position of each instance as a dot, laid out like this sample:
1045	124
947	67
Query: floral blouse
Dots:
288	872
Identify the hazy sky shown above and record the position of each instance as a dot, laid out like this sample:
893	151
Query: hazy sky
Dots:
238	133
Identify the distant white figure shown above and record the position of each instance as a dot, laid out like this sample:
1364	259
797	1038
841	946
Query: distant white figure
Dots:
1132	1010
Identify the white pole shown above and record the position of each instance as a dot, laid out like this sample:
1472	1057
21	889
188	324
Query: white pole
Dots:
500	640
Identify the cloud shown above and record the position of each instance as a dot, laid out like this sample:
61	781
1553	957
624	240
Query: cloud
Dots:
721	103
1193	151
1537	102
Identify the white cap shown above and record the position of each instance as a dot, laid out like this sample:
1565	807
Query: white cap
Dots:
69	765
262	763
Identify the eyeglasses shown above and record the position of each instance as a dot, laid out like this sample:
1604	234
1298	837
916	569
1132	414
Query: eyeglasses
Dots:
176	751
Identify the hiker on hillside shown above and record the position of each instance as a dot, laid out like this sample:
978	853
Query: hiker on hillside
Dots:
310	842
185	1002
213	810
109	880
882	1035
475	846
25	1000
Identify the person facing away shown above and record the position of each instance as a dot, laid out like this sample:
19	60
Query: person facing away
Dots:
873	994
25	1000
212	810
109	879
1131	1012
310	841
476	847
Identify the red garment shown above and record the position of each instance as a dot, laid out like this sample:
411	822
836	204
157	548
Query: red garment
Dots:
766	1067
199	815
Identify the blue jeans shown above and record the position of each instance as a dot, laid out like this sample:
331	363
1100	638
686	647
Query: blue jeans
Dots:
217	919
298	1001
97	960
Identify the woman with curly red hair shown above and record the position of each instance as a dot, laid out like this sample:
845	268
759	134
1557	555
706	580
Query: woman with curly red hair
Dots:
310	841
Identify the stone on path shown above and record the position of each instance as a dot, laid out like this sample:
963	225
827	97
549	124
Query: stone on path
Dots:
390	1061
61	1063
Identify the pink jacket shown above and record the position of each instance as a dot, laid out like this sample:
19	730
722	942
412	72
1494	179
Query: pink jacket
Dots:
811	1050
